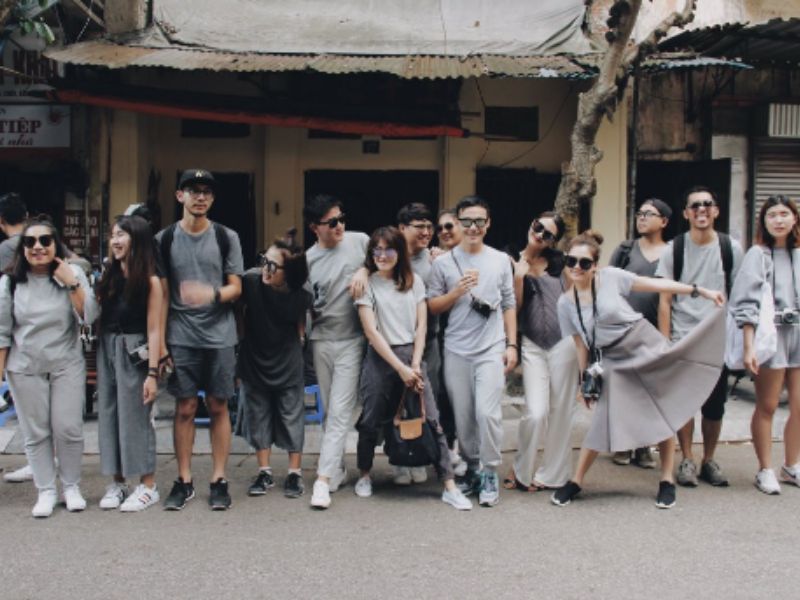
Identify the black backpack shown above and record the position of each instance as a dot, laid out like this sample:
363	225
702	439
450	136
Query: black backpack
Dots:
725	250
622	259
222	241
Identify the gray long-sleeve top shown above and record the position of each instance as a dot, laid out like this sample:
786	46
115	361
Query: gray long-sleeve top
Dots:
757	267
42	331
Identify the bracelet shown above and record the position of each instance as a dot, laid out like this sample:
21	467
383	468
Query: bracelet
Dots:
217	296
514	346
74	287
153	375
152	371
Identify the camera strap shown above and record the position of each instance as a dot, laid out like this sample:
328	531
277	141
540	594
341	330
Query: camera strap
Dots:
594	355
794	279
460	272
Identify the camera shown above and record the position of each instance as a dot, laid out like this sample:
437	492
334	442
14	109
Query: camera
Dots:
481	307
592	382
788	316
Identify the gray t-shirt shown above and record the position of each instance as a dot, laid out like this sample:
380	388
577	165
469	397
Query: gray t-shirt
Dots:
421	265
395	311
329	272
643	302
7	250
468	333
759	265
199	258
615	316
702	265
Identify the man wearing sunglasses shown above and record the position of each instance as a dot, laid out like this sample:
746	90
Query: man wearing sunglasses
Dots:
202	263
711	260
337	340
641	256
475	283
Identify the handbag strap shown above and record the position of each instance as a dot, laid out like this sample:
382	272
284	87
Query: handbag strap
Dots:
401	405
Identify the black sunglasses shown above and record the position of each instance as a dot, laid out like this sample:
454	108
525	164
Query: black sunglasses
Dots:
701	204
542	231
448	226
584	263
467	223
333	222
29	241
270	265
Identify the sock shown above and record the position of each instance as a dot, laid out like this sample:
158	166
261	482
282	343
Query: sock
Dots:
266	469
296	471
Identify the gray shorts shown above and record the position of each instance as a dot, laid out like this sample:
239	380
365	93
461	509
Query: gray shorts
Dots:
211	370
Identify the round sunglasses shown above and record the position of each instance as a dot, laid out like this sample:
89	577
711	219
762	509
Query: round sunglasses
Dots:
540	230
445	227
29	241
583	263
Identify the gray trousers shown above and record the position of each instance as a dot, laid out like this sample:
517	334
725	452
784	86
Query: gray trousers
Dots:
338	365
273	416
50	411
127	437
475	387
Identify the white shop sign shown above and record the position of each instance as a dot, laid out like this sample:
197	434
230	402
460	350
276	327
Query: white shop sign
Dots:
34	126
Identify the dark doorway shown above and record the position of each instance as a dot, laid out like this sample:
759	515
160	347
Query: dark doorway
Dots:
668	180
234	206
372	198
515	197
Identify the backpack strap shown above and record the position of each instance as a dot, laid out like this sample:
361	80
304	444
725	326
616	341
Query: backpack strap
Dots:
623	257
726	253
166	247
223	243
678	245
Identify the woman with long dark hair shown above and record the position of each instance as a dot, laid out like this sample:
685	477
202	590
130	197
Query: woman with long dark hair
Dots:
649	387
775	259
129	347
548	362
42	303
271	362
393	313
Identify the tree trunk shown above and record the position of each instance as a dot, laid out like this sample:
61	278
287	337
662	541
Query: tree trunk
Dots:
6	6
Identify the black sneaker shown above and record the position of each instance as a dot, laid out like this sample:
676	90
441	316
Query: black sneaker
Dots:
261	484
181	493
564	495
470	483
219	499
666	495
293	486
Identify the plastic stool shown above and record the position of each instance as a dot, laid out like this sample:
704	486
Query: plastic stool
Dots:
10	412
201	397
317	413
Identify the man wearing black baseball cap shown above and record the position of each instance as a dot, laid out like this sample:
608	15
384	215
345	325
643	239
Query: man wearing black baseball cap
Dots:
641	256
202	262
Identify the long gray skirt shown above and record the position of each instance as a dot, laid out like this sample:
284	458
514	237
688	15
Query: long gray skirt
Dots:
652	387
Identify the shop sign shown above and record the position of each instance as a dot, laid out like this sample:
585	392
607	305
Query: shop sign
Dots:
74	232
34	126
26	69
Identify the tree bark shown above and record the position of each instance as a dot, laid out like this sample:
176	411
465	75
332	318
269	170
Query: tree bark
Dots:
6	6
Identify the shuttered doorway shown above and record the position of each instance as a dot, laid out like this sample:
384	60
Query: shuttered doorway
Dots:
776	167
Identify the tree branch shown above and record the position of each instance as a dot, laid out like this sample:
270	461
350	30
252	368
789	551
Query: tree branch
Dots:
650	44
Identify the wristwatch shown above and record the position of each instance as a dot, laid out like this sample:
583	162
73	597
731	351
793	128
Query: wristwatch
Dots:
74	287
217	296
695	292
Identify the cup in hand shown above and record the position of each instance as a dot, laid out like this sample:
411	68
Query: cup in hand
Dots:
473	275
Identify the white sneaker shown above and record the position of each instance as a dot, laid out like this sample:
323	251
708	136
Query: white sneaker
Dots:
402	476
116	492
791	474
767	482
74	499
45	504
419	474
141	498
456	499
22	474
338	480
321	495
364	487
459	465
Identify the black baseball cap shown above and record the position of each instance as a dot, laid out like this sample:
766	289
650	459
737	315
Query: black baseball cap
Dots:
190	176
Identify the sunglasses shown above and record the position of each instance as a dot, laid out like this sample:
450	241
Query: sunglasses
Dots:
29	241
700	204
447	226
584	263
542	231
269	265
385	252
646	214
467	223
333	222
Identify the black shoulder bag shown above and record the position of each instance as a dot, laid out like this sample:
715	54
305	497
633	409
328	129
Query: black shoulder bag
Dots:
410	439
592	376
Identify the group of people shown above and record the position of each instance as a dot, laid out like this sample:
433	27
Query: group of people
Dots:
389	318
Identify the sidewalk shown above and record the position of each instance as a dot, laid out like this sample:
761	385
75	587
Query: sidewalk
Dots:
736	427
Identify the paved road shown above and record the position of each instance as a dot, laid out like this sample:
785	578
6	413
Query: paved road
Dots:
404	543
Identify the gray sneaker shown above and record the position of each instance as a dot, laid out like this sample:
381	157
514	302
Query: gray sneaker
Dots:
490	489
643	457
712	473
687	473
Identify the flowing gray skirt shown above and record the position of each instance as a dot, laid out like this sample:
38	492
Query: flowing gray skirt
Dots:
652	387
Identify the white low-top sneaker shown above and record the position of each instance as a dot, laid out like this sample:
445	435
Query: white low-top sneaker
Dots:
364	487
141	498
45	504
419	474
459	465
74	499
791	474
456	499
19	475
338	480
321	495
402	476
767	482
116	492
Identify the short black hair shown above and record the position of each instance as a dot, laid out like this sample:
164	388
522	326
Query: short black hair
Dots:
696	189
318	206
13	209
416	211
468	201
